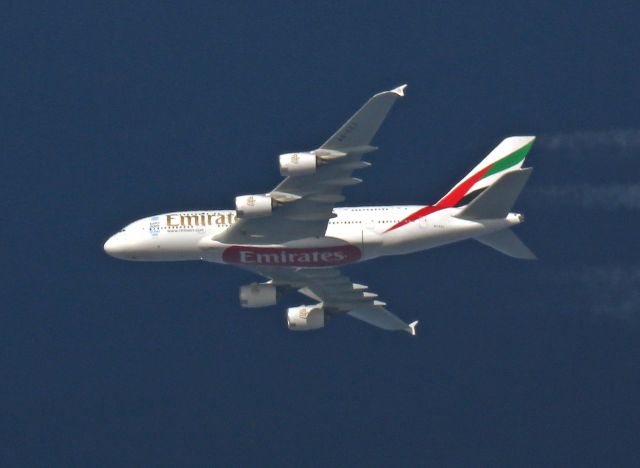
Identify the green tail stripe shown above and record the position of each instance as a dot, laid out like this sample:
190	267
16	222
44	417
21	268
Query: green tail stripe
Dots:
510	160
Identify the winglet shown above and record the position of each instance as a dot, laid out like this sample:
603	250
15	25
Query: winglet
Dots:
411	329
399	90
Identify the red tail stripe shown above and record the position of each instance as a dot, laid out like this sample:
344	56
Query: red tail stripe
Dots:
460	191
447	202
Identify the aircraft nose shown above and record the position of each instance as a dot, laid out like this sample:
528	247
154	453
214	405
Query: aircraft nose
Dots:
114	246
110	246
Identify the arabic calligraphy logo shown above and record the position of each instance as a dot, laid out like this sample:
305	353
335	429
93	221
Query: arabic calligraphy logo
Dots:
295	158
251	201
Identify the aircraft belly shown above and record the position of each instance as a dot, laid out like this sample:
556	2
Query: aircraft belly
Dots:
310	252
291	257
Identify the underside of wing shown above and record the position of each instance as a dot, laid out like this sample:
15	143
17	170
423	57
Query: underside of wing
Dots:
335	294
302	204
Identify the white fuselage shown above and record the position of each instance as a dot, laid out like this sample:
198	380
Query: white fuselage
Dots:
354	234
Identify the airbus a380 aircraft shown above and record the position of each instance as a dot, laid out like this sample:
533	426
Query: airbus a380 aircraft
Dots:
296	238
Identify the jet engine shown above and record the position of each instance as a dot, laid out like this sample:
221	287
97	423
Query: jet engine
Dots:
254	206
295	164
258	295
306	317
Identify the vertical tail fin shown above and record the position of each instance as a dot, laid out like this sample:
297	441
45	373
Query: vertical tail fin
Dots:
506	157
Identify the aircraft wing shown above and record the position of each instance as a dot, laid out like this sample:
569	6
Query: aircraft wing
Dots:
338	295
306	202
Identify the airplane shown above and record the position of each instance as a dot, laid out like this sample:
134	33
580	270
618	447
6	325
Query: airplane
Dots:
296	238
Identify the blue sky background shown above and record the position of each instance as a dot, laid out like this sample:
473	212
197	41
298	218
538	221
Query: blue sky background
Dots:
114	112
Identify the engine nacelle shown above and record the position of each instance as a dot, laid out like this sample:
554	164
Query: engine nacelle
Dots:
294	164
258	295
306	317
254	206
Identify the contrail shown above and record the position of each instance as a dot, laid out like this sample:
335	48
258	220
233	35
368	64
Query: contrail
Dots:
618	291
609	197
604	144
618	142
610	290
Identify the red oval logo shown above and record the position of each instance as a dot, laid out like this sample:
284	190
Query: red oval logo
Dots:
291	257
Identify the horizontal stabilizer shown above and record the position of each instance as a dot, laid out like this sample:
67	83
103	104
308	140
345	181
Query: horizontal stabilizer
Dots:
507	243
497	200
382	318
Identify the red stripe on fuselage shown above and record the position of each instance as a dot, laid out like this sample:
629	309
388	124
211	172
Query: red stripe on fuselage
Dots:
447	202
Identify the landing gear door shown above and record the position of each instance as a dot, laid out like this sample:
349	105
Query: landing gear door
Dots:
371	240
